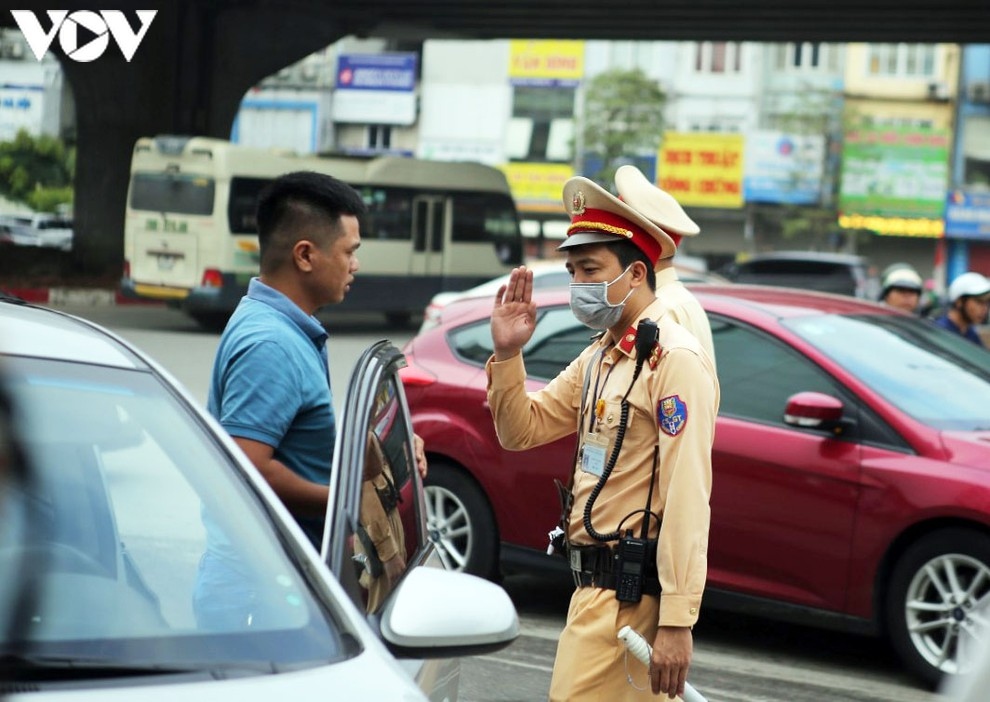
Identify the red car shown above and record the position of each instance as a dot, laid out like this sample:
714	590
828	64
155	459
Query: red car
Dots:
851	462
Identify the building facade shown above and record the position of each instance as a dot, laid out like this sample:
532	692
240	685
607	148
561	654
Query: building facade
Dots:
877	149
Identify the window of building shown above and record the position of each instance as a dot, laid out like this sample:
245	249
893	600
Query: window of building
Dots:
975	145
379	136
718	57
806	56
901	60
542	126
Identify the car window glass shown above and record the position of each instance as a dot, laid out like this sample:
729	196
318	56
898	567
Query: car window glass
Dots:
148	544
757	374
555	279
891	355
376	526
795	268
386	536
473	342
557	340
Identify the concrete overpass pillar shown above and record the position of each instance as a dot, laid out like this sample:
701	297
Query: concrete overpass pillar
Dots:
187	77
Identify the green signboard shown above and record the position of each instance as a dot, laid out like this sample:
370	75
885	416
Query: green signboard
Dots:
895	172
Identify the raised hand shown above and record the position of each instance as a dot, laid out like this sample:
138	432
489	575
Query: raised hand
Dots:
514	315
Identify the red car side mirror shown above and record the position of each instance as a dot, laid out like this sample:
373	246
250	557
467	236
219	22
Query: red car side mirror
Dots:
813	410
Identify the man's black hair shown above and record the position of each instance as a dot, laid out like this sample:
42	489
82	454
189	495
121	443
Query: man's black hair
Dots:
628	253
292	199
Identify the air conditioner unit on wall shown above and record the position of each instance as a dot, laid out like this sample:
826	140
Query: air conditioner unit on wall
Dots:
938	91
978	91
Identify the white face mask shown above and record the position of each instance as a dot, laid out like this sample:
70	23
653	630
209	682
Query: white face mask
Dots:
589	303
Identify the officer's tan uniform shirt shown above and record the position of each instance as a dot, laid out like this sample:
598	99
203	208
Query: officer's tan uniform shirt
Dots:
685	377
684	308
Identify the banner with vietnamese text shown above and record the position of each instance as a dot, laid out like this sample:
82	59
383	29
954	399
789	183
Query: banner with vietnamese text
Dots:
702	169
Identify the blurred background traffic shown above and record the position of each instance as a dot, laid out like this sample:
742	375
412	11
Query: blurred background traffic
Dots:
878	150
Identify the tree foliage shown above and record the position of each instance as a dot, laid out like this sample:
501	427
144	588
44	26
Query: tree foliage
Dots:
622	117
37	171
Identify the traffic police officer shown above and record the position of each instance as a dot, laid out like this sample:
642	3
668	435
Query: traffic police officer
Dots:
655	404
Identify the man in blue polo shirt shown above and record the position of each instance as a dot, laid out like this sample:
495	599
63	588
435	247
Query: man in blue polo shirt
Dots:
270	387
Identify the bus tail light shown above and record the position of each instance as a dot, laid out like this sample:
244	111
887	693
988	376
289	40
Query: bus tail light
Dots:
212	278
127	268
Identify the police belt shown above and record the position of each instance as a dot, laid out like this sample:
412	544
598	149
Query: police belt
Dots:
594	566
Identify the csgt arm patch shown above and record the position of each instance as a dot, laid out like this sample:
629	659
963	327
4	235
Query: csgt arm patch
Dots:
672	415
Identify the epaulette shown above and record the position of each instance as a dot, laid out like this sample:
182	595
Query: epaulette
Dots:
628	343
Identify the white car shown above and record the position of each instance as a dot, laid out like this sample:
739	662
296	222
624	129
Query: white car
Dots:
44	230
548	274
127	483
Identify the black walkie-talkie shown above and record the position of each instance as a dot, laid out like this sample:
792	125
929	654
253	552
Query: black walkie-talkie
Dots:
630	567
646	337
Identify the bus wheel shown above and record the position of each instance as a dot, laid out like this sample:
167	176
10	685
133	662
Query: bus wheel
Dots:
398	319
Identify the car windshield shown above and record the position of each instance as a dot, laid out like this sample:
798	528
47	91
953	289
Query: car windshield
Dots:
932	375
129	492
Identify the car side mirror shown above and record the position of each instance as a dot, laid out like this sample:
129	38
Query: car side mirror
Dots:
436	613
815	410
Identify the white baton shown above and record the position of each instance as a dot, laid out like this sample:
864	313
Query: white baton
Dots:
639	647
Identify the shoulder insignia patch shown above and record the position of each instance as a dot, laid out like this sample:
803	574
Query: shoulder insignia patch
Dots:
672	415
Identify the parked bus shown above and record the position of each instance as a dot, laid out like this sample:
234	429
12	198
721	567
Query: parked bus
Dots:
190	236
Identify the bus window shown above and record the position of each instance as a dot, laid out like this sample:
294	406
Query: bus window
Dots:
175	193
389	215
421	223
437	225
241	206
480	217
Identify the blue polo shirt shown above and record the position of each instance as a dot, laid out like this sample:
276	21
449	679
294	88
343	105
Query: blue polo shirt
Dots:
270	382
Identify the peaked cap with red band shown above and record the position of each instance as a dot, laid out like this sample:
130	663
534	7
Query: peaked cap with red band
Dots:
643	214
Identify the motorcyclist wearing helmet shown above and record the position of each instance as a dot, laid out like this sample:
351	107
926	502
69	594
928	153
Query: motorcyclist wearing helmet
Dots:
969	301
901	287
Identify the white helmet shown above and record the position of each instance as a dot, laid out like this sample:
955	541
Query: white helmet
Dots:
969	284
900	275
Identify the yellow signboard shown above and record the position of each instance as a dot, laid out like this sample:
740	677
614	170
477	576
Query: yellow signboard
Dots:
702	169
895	226
538	187
546	61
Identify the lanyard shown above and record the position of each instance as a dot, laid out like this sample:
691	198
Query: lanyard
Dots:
597	402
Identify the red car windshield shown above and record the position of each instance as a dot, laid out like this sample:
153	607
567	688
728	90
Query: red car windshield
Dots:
910	362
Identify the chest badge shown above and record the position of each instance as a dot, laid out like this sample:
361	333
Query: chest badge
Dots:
672	415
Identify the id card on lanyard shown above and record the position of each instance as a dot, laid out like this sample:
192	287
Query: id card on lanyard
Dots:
594	448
